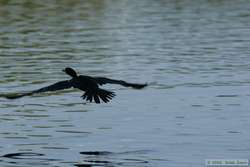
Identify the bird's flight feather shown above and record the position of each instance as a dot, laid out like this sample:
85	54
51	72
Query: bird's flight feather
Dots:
103	80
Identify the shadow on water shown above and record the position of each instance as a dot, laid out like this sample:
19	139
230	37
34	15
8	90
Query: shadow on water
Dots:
105	158
89	158
26	158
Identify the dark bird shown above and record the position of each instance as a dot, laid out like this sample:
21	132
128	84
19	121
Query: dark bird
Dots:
90	85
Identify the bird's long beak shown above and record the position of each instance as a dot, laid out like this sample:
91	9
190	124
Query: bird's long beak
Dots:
63	70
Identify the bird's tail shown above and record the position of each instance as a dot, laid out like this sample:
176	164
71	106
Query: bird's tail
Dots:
98	94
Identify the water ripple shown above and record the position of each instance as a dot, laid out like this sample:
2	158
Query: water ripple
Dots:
195	57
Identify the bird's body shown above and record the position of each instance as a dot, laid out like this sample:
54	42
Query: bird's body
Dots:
90	85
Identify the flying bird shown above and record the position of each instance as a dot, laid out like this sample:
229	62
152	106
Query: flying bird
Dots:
90	86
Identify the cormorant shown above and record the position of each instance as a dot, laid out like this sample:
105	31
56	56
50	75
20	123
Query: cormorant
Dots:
90	85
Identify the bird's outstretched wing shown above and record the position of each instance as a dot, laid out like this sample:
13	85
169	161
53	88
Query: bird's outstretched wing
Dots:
54	87
103	80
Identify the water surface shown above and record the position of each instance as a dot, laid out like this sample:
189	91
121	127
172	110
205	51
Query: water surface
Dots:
194	55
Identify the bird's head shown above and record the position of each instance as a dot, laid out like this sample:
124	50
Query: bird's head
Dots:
70	72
